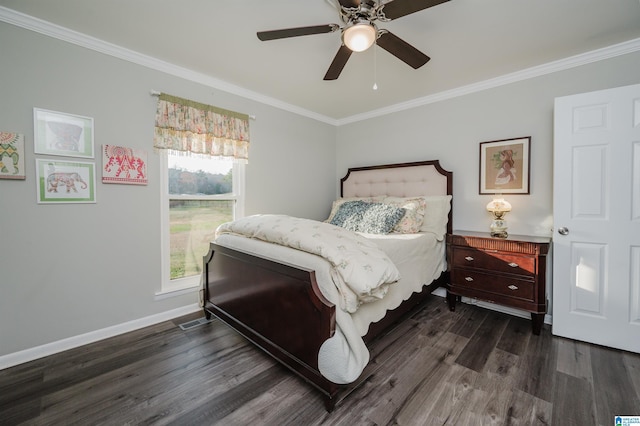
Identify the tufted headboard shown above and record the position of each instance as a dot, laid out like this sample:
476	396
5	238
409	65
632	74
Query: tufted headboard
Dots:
422	178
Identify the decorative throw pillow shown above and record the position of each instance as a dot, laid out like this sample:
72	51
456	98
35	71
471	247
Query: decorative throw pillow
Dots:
412	220
340	201
380	218
349	214
372	218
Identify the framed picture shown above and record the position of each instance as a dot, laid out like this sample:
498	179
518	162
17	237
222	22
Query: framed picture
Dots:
12	156
57	133
124	165
65	181
504	166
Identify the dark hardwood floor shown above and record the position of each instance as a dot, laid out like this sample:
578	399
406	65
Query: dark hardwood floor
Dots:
469	367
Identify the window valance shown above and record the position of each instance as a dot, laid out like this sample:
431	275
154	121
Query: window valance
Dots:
193	128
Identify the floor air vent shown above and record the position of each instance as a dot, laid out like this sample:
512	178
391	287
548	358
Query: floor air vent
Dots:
195	323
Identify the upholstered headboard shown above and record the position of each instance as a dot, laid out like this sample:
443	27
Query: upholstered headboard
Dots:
422	178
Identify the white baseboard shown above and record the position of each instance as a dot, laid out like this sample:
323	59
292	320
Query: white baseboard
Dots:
31	354
504	309
440	291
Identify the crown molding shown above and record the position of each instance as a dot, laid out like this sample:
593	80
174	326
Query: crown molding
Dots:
525	74
61	33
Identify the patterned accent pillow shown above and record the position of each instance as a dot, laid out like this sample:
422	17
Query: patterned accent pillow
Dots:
340	201
371	218
349	213
413	219
380	218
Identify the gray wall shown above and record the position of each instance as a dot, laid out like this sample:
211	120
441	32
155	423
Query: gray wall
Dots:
70	269
451	131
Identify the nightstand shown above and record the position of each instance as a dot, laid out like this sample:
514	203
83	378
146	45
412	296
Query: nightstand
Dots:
508	271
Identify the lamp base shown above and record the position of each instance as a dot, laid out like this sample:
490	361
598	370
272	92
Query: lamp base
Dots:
499	228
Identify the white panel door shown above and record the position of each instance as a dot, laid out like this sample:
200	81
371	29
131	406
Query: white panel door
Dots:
596	215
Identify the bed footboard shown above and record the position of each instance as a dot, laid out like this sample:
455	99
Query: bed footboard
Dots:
276	306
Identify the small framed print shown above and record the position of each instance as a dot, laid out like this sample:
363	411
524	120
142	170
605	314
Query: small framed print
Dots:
124	165
505	166
65	181
12	156
58	133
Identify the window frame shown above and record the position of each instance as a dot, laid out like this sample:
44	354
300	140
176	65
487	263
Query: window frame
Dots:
175	287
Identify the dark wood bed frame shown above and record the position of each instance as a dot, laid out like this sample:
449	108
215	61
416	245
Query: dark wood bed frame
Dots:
280	309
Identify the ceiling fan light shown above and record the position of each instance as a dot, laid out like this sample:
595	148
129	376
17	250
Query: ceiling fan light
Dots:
359	37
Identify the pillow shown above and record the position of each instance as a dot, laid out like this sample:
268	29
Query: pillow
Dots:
413	218
349	213
371	218
380	218
340	201
436	215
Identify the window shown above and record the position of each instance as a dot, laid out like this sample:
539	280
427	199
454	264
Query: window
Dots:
204	149
198	195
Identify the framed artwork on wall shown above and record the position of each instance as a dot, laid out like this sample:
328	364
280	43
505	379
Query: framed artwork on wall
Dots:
505	166
124	165
12	156
65	181
58	133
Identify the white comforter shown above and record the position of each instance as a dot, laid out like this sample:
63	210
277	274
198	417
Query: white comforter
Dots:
362	271
418	257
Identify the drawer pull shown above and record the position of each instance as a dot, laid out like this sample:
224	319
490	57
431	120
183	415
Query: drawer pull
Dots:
513	287
468	279
513	265
469	259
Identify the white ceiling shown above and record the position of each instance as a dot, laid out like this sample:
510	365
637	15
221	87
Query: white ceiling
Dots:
469	42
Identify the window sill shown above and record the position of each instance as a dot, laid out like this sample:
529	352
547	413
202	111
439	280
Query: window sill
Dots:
179	287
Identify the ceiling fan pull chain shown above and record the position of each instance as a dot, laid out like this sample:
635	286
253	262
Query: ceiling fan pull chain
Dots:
375	68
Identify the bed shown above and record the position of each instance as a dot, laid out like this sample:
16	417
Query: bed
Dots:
286	301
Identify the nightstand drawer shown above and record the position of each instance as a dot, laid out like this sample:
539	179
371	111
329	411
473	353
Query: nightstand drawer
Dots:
494	261
501	285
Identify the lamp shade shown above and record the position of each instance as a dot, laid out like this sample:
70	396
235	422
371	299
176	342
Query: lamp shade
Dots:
359	37
499	205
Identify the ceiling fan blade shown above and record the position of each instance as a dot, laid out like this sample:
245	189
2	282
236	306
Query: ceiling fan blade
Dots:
399	8
402	50
349	3
339	61
296	32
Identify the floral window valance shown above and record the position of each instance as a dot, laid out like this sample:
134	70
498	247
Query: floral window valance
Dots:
193	128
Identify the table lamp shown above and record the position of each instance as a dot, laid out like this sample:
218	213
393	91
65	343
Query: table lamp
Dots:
498	208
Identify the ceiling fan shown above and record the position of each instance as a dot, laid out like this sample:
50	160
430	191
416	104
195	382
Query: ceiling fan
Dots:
359	31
